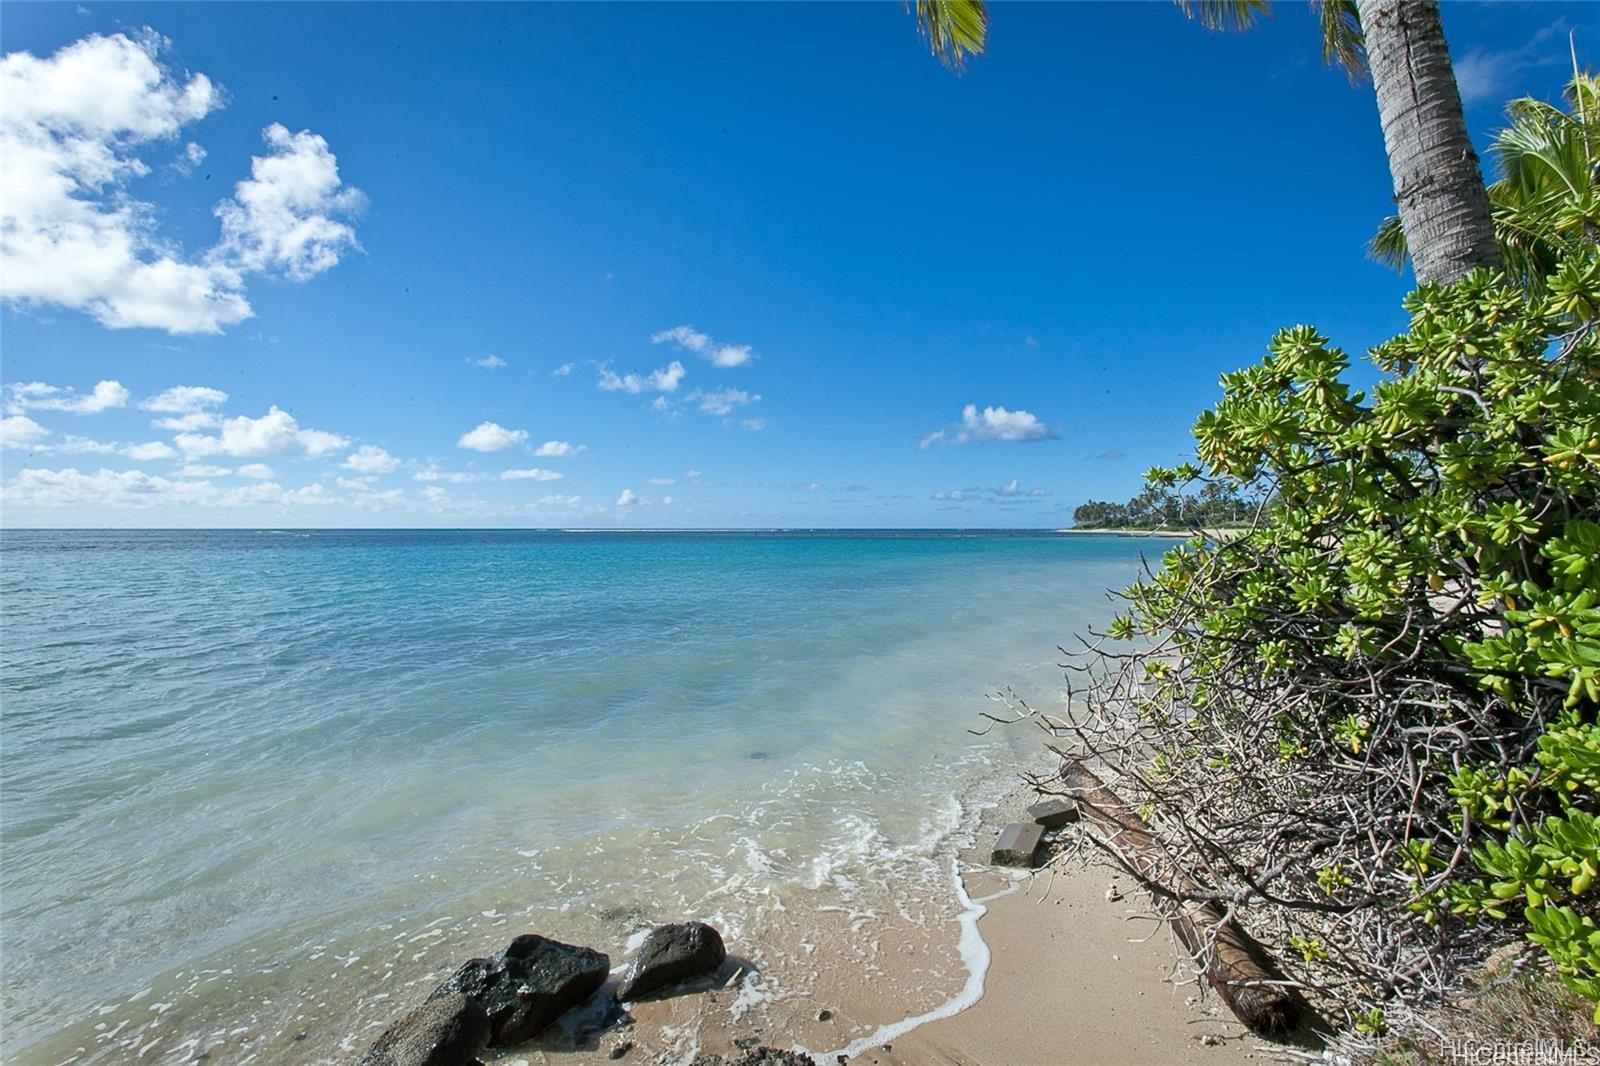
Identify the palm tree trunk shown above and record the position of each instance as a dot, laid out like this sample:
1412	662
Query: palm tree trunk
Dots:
1437	184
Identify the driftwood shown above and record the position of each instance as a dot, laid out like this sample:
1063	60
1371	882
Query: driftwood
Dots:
1236	965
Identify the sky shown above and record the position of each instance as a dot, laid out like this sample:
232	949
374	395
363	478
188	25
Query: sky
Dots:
668	265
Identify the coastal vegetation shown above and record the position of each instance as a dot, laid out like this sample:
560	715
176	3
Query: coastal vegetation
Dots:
1366	726
1367	723
1162	507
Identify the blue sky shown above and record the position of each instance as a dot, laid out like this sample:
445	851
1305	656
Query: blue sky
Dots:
668	265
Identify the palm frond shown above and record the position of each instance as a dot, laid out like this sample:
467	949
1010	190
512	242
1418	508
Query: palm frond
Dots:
954	29
1388	245
1224	14
1343	42
1546	201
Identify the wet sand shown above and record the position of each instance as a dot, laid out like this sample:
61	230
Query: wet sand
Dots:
1070	978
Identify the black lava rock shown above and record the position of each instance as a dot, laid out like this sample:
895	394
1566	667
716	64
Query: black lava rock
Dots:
672	953
448	1030
528	985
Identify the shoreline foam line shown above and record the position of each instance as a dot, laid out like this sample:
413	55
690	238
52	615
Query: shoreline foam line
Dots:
974	954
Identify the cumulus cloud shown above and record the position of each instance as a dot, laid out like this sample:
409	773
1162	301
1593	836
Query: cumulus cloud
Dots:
488	362
690	339
20	431
722	401
491	437
992	423
557	449
628	499
72	130
433	473
664	379
150	451
251	438
203	470
37	396
287	217
531	474
561	371
183	399
370	459
256	471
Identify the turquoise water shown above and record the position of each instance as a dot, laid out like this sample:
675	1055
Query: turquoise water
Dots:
261	786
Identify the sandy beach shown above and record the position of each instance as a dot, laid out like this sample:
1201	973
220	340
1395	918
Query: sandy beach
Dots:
1072	975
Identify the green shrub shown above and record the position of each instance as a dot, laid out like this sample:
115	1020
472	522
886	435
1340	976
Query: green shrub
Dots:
1374	711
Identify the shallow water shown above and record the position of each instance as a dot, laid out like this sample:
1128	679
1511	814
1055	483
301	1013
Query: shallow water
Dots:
261	788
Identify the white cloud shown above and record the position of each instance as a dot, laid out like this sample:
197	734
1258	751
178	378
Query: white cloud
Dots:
663	481
754	425
183	399
722	401
491	437
693	477
203	470
256	471
531	474
19	431
433	473
370	459
668	501
692	340
286	217
152	450
1010	492
1485	75
71	129
251	438
628	499
992	423
558	501
189	423
557	449
664	379
488	362
561	371
37	396
111	489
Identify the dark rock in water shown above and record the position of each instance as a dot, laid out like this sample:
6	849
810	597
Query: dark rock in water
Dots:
672	953
528	985
771	1056
447	1030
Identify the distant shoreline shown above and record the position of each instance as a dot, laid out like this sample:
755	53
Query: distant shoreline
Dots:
1217	533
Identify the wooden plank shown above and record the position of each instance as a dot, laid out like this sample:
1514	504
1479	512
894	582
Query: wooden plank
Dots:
1242	971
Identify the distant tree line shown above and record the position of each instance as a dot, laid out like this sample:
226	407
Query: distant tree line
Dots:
1155	508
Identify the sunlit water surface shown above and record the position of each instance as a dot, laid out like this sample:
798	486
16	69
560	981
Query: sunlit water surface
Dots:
262	788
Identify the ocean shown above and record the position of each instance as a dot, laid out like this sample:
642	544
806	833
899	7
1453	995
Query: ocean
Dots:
261	790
